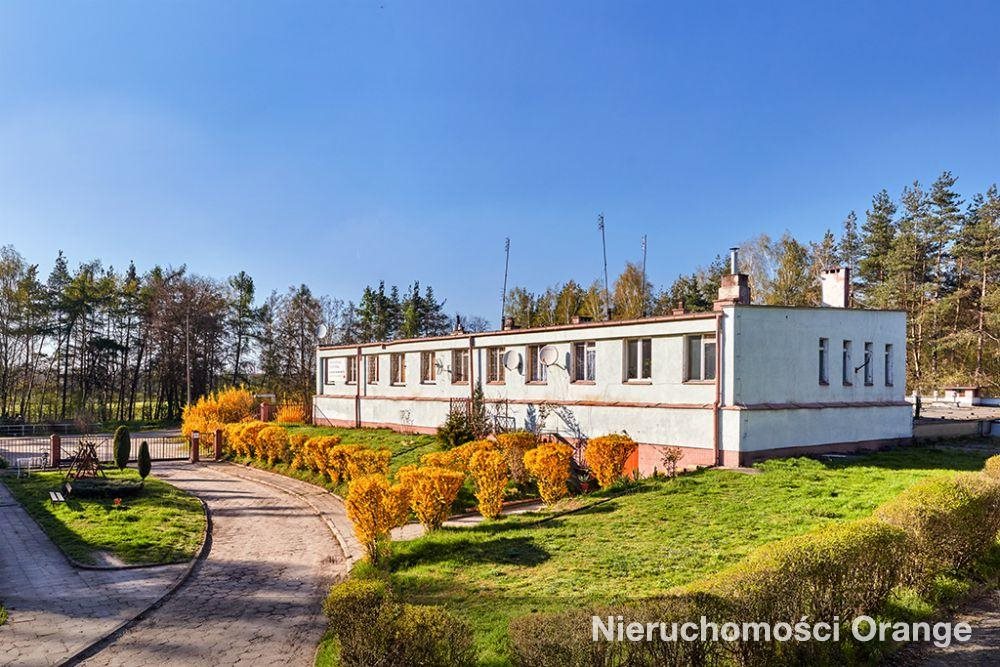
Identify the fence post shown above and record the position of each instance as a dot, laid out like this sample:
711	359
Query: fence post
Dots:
55	450
195	446
218	444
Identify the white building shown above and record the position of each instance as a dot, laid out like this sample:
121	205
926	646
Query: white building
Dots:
741	383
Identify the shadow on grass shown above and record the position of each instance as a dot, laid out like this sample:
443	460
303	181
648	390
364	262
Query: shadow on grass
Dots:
500	551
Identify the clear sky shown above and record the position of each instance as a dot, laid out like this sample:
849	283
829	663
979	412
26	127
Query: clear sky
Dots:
337	144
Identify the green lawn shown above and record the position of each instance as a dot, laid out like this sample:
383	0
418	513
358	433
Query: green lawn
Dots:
662	534
161	525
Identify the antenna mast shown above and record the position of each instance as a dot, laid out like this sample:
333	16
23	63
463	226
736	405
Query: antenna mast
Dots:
604	244
503	295
643	289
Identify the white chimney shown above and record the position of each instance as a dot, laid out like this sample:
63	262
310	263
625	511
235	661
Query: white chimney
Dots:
836	284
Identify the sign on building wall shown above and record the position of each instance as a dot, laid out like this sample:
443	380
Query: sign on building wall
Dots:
336	370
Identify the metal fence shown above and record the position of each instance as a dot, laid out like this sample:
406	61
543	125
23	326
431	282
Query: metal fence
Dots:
36	451
31	430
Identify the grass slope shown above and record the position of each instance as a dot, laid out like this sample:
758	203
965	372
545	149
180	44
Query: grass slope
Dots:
659	535
161	525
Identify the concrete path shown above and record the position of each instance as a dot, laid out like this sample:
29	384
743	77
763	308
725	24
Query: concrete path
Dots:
257	596
56	609
982	650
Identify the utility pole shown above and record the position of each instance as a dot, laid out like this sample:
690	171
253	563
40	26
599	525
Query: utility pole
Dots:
187	352
643	290
604	245
503	295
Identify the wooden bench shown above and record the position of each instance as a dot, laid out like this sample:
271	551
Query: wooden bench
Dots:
56	497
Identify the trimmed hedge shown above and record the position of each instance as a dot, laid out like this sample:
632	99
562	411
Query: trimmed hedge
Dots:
373	628
992	467
950	521
101	487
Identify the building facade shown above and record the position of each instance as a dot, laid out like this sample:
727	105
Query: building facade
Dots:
728	387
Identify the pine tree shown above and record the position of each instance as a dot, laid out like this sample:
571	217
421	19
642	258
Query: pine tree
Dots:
877	235
793	284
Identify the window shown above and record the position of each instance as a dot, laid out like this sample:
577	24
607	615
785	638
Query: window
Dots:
848	375
869	363
700	358
888	365
824	361
428	368
584	360
372	363
537	371
352	370
494	365
397	368
638	359
459	366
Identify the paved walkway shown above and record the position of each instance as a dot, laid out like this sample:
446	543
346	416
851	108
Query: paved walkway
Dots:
980	651
56	609
257	597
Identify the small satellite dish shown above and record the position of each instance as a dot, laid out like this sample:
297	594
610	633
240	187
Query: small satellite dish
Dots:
322	331
511	360
548	355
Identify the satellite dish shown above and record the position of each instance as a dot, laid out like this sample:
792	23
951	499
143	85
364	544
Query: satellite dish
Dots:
322	331
511	360
548	355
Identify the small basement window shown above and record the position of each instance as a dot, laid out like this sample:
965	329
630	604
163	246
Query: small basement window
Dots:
888	364
869	365
847	370
700	358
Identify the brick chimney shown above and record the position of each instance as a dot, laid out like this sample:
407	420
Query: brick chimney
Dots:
735	287
836	284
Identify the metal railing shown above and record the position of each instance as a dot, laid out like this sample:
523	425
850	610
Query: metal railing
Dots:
31	430
161	448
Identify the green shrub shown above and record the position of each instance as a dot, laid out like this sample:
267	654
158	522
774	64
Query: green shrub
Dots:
950	522
144	462
122	447
456	430
372	628
992	467
101	487
565	638
429	635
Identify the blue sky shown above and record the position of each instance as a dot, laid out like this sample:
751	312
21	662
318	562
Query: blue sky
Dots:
337	144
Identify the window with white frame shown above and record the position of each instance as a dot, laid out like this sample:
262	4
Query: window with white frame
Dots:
397	368
371	363
459	366
847	370
584	361
638	359
700	358
494	365
824	361
888	364
869	365
352	370
537	371
428	367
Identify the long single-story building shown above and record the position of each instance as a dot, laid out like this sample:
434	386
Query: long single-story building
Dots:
740	383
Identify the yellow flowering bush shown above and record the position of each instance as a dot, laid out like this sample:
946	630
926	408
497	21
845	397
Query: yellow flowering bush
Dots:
489	471
432	489
457	458
514	445
606	456
373	508
338	458
215	410
368	462
291	414
549	464
272	444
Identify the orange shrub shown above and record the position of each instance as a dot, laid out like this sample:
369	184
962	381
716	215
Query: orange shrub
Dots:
489	471
548	463
291	414
316	451
606	457
216	410
456	458
514	445
432	489
368	462
373	507
338	460
272	444
296	443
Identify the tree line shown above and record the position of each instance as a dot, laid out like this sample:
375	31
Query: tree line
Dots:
930	253
97	344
